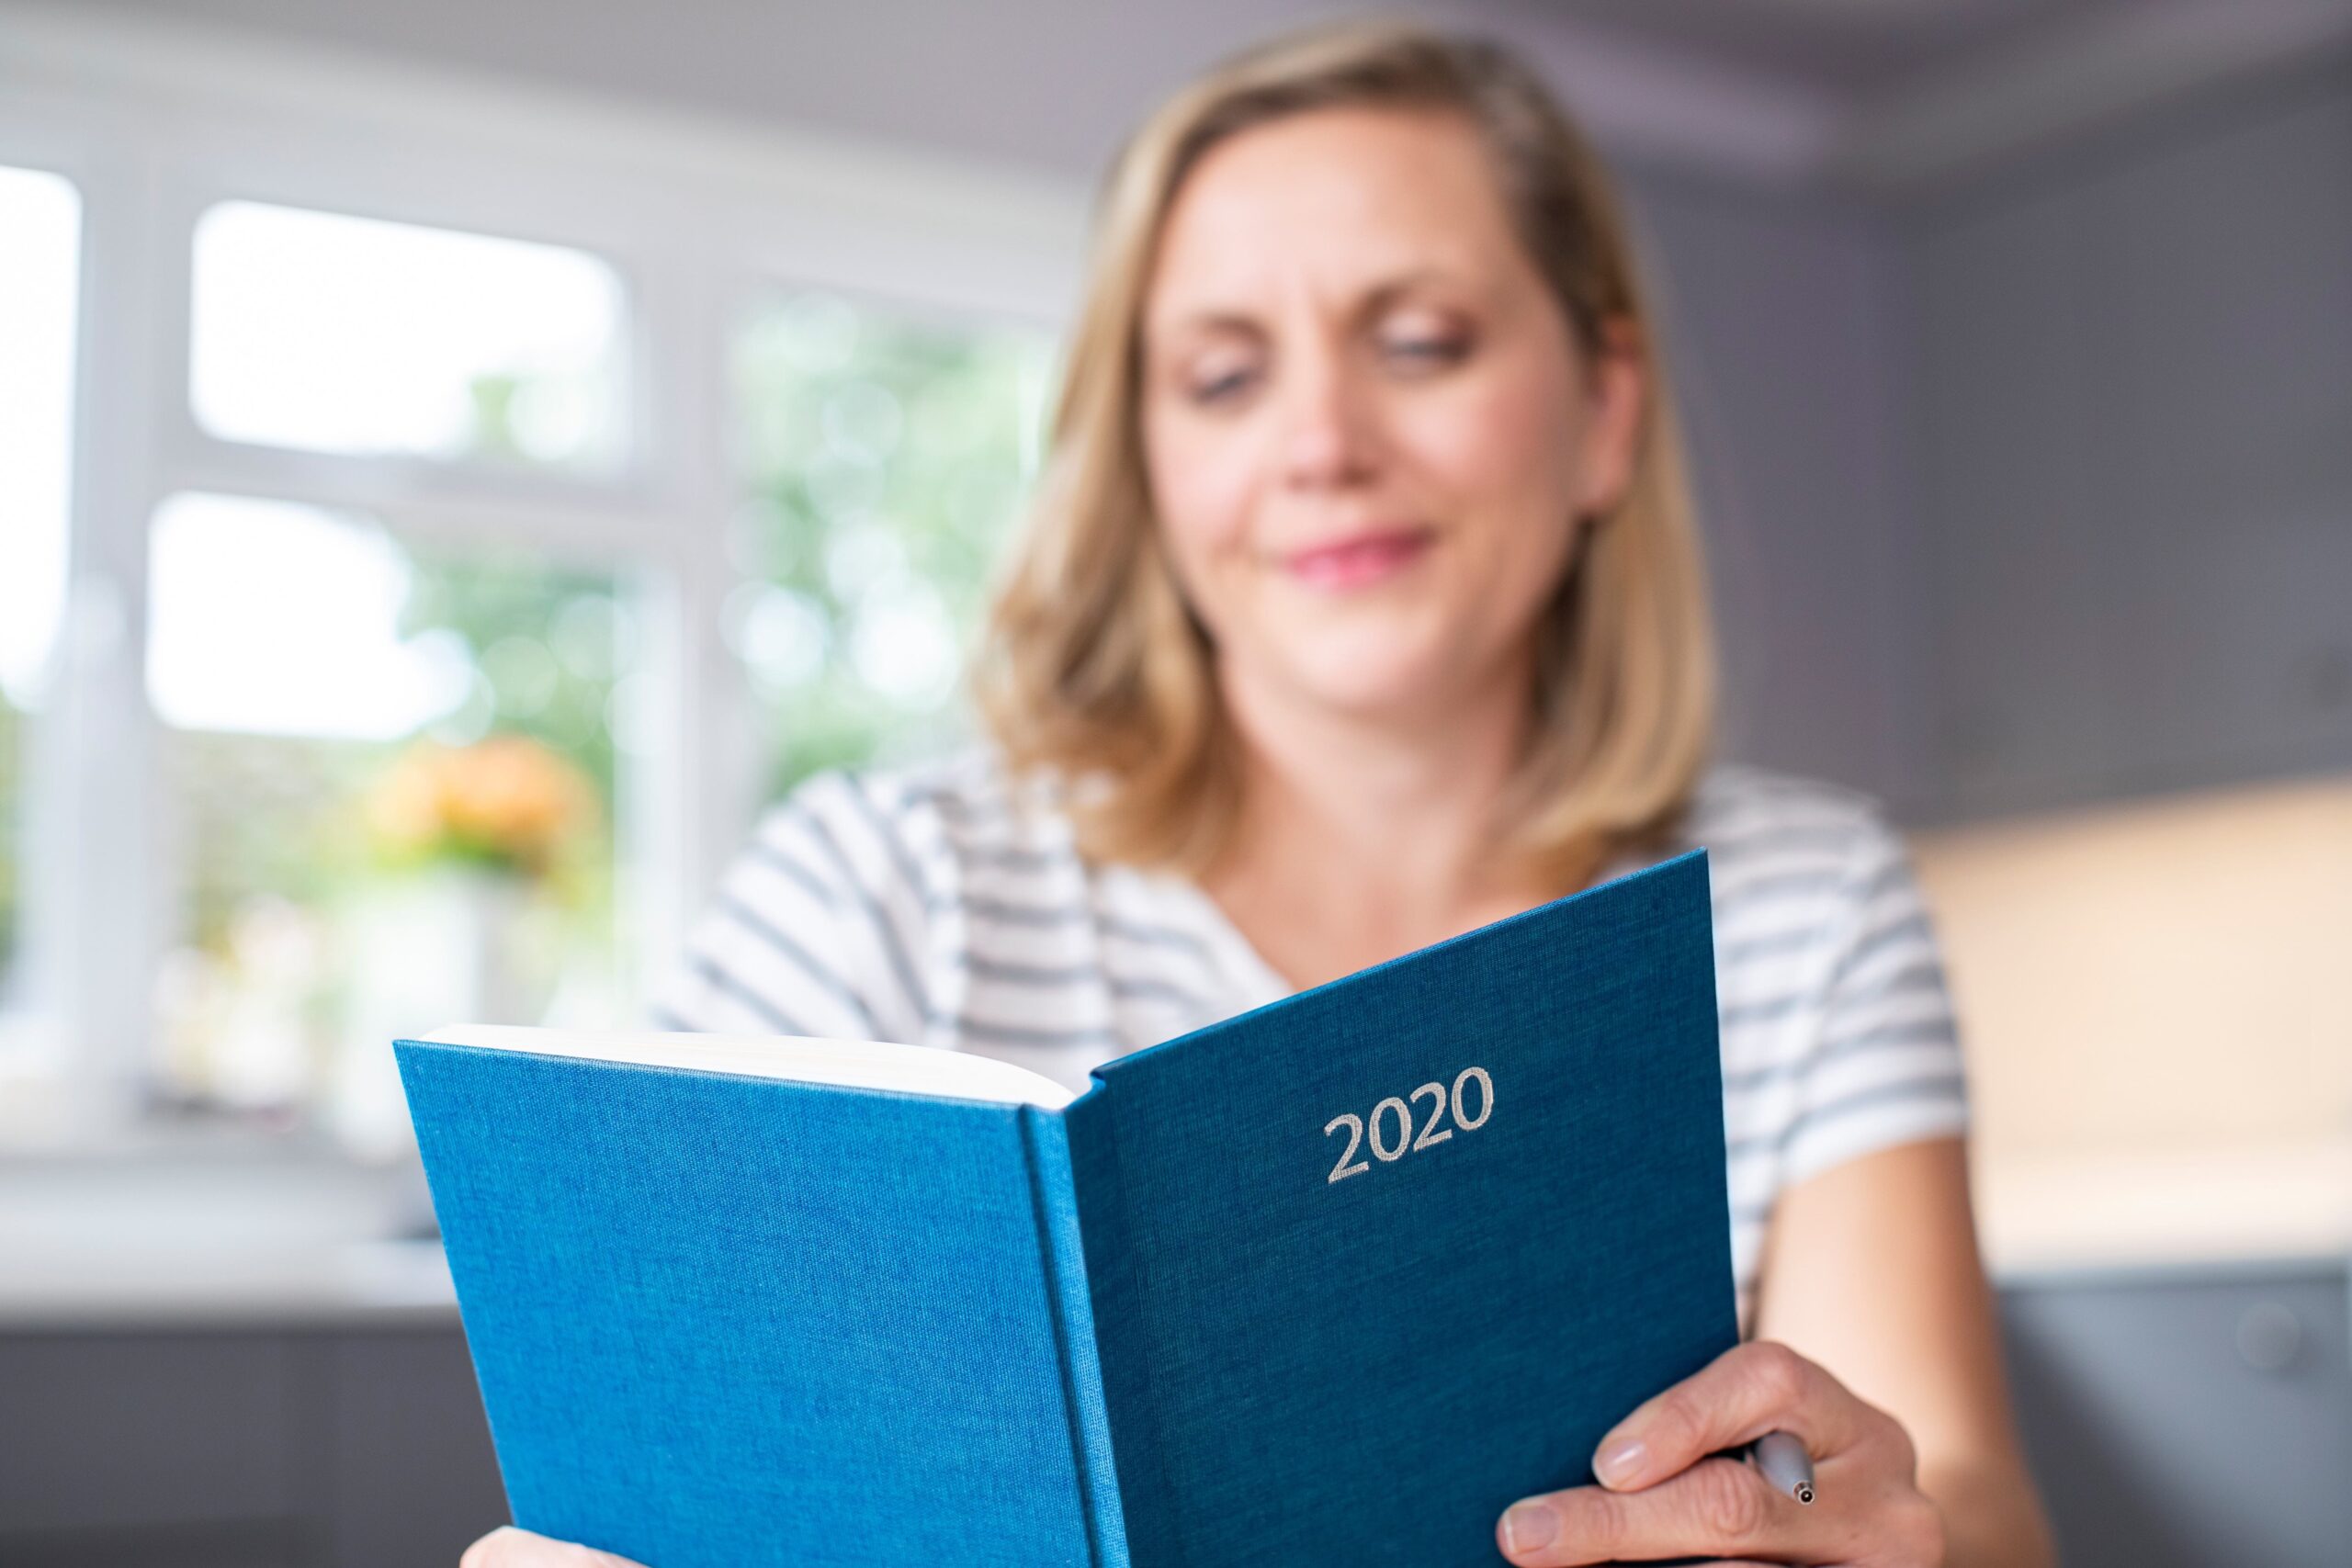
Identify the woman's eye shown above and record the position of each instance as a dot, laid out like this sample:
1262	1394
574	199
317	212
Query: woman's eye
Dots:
1220	385
1426	351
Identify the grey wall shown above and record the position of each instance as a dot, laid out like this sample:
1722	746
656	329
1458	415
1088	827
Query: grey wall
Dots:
2035	489
1785	316
2135	364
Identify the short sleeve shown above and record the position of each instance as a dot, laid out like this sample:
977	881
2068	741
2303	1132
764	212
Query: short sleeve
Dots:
1885	1068
814	930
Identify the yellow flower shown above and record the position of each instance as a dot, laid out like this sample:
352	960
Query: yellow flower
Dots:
506	798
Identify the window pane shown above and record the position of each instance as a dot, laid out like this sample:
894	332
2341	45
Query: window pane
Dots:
887	457
346	335
406	824
40	253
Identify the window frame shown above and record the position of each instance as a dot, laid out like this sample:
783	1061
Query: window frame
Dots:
155	122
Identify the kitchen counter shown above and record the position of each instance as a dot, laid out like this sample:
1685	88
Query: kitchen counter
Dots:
174	1241
375	1283
215	1234
2177	1208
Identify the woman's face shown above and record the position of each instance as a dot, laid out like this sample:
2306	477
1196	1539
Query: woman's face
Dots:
1368	427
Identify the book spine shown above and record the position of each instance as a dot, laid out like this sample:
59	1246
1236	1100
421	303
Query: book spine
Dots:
1053	1189
1117	1300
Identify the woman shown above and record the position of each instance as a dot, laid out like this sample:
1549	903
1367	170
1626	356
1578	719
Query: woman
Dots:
1361	606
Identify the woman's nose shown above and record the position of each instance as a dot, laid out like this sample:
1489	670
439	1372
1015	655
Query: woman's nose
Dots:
1328	436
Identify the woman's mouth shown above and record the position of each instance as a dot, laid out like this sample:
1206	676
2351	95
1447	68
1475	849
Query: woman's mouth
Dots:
1359	558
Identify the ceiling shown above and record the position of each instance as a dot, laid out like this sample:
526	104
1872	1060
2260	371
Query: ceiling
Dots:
1879	95
1910	91
1853	48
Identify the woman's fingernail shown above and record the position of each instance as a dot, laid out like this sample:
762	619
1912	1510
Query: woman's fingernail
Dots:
1527	1526
1620	1463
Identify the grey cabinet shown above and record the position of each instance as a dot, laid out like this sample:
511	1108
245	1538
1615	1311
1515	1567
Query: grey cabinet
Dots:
2189	1418
291	1448
411	1475
2186	1420
136	1432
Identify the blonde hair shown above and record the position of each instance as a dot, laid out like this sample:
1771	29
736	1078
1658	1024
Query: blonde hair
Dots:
1092	670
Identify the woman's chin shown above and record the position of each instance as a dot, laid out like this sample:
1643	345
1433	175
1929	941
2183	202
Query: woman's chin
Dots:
1411	665
1373	689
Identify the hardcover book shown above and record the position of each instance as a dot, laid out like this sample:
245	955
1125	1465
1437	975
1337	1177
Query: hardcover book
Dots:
1334	1281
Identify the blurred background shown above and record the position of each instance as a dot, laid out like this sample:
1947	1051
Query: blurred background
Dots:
457	460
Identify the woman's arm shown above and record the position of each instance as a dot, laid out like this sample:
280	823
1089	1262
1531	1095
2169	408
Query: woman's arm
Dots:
507	1547
1880	1352
1872	1271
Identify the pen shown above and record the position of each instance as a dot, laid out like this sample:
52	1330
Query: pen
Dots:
1782	1461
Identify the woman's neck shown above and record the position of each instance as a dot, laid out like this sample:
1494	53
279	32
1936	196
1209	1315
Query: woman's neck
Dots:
1360	839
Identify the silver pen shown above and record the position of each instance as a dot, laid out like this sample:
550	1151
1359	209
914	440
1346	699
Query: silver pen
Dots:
1781	1459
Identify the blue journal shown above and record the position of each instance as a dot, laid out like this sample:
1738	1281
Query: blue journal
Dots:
1331	1282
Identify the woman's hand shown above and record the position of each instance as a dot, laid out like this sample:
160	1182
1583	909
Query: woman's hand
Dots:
507	1547
1662	1494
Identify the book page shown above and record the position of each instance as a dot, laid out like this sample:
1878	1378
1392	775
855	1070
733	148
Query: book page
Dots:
852	1063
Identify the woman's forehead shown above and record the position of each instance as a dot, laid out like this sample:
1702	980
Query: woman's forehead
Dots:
1346	201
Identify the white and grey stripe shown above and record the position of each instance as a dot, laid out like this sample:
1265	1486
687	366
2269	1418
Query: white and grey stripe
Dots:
942	907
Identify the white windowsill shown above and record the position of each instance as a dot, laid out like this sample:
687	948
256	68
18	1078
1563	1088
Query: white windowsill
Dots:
190	1231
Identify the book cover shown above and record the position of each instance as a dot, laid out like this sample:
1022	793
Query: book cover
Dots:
1333	1281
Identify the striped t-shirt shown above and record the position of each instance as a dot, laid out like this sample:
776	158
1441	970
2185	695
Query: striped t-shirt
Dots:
944	906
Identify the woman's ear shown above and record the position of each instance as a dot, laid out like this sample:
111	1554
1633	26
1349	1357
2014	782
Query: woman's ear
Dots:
1617	392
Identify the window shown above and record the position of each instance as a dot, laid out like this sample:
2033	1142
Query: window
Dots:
389	774
397	581
887	457
465	345
389	800
40	255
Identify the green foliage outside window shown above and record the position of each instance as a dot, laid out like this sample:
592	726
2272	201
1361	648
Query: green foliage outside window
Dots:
889	458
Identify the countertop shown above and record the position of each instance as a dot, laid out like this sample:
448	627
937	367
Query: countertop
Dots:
2134	1209
173	1241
